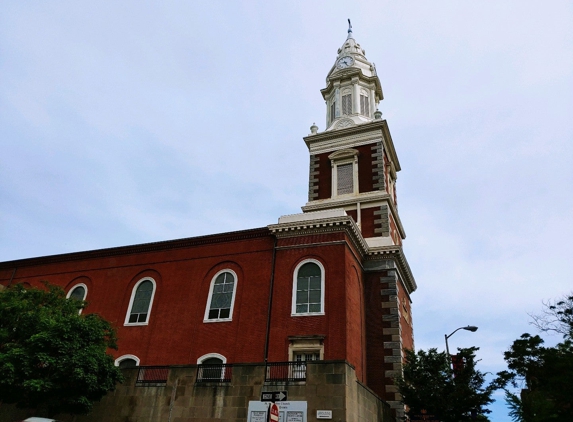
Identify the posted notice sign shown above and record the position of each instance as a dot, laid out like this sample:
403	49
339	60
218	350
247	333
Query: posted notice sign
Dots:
324	414
289	411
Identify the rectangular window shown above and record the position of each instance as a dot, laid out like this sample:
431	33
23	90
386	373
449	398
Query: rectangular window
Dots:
364	105
347	104
345	179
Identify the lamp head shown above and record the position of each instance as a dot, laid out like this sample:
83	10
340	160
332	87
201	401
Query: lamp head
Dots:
471	328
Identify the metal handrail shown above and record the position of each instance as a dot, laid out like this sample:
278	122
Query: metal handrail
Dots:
152	374
286	371
221	372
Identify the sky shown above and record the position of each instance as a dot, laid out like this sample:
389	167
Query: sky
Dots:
131	122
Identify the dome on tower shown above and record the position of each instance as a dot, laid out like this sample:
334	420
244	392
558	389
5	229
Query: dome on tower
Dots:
353	89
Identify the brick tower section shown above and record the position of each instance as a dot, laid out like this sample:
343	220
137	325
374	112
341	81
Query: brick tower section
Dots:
388	329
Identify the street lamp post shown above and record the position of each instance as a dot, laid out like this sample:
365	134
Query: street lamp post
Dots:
471	328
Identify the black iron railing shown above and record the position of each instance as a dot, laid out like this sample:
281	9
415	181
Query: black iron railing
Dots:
285	371
152	374
214	373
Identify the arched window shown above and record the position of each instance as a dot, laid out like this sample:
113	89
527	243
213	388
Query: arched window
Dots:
347	101
141	302
78	292
211	367
364	103
127	361
221	297
308	288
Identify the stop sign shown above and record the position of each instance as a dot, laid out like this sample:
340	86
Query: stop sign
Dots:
274	412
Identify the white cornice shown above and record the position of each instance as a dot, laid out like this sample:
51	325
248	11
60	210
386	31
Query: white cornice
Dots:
334	221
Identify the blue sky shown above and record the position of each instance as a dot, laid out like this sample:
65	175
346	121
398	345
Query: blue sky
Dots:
130	122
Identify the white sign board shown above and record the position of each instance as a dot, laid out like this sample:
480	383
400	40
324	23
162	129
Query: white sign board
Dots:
289	411
324	414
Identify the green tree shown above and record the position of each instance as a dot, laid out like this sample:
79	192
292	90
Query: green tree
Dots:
545	374
430	384
52	359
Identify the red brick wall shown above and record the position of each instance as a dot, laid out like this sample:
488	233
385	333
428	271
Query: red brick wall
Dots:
394	231
367	222
324	176
374	337
176	333
355	329
406	322
365	182
353	214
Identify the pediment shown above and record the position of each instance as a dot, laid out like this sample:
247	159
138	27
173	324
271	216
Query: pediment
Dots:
343	153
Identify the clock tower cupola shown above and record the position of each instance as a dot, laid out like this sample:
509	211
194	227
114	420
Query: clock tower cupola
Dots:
353	89
353	163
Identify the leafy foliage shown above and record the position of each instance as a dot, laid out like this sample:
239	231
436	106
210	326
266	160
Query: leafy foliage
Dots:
545	372
429	384
53	359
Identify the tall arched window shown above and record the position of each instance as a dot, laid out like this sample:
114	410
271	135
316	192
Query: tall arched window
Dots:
141	302
221	297
308	288
78	292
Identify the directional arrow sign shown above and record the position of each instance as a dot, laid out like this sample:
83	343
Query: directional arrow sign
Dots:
274	396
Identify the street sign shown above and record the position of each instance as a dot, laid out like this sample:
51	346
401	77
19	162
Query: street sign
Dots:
274	396
274	412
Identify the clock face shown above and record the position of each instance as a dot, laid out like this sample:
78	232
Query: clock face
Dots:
344	62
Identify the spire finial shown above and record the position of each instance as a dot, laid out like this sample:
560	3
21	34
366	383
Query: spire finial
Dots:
349	29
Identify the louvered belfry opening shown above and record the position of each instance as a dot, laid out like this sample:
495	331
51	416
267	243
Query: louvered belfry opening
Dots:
345	179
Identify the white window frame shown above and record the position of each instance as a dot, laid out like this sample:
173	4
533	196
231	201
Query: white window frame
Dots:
206	316
78	285
73	288
124	357
209	356
214	355
345	156
294	285
133	291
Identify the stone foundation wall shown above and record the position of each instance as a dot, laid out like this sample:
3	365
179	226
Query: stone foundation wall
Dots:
329	386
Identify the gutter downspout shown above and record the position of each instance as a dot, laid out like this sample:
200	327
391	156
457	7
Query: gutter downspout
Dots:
270	301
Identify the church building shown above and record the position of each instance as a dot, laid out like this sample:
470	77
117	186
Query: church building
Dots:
317	305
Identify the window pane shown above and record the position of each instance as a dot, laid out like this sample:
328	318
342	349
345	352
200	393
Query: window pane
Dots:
345	178
308	270
301	309
302	284
314	296
78	293
127	363
315	283
225	313
314	308
301	297
213	314
133	318
142	318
